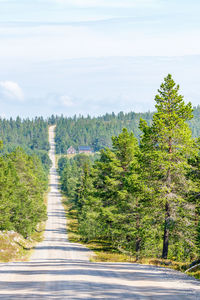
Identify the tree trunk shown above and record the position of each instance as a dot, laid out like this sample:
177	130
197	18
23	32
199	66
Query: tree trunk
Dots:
170	144
167	216
166	232
138	238
138	242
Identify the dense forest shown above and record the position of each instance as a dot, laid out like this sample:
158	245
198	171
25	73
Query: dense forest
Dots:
24	171
97	132
23	181
30	135
142	197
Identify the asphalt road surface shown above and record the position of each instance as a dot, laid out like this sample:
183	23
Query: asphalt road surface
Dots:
61	270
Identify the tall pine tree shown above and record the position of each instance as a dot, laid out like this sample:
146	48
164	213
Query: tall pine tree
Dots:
166	146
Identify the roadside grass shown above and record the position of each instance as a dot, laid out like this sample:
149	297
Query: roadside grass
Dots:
104	252
10	250
195	274
72	222
13	247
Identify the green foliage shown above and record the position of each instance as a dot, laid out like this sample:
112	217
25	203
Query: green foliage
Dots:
108	194
31	135
23	182
166	147
71	171
23	174
143	198
97	132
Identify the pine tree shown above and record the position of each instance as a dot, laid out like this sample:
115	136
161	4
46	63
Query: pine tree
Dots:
166	145
115	199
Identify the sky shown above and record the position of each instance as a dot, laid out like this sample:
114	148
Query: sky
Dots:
95	56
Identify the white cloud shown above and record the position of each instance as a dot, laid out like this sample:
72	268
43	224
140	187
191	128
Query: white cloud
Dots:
11	90
66	101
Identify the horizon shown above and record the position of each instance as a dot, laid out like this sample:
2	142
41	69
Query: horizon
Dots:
83	116
95	56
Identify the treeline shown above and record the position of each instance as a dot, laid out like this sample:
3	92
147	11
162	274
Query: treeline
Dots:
144	197
97	132
23	181
30	135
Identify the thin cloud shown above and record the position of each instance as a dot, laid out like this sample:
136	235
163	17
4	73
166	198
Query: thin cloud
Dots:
11	90
108	3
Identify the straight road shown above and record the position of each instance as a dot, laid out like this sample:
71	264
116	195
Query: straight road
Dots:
61	270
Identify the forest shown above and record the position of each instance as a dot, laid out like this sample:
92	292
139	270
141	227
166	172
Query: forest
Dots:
140	192
30	135
142	197
24	168
97	132
23	182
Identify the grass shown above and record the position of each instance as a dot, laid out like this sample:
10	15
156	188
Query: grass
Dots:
195	274
15	248
105	252
72	222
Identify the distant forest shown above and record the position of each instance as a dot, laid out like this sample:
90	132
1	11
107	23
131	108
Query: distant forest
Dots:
96	132
30	135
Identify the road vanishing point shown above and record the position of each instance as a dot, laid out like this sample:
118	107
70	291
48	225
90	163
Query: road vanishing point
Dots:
61	270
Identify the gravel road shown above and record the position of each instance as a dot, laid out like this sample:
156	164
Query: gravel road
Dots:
62	270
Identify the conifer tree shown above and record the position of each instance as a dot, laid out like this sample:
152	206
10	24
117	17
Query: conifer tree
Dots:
166	146
117	191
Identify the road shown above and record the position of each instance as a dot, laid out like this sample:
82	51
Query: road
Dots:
61	270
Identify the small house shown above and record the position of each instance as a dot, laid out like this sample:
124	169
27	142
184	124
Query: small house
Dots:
71	150
85	149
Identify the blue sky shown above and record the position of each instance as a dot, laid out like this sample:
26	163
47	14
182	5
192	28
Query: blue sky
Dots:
95	56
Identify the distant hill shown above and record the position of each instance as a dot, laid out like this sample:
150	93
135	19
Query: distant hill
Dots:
96	132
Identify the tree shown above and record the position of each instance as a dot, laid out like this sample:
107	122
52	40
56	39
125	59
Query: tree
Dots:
112	201
166	145
23	182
